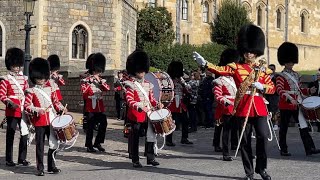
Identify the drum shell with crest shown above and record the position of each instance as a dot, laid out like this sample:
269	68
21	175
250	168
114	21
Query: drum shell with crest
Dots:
163	87
311	108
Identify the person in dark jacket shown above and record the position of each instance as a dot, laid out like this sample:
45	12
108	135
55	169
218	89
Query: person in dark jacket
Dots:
316	84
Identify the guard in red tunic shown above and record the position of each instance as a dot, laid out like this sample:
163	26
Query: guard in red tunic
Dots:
12	87
82	76
42	105
56	79
140	101
178	108
93	88
291	95
251	44
225	91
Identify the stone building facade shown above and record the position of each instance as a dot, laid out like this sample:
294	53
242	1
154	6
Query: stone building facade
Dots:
73	29
301	25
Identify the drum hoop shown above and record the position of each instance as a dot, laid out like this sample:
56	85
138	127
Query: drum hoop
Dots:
169	114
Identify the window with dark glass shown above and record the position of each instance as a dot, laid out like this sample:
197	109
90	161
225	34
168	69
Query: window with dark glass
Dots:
205	12
303	23
1	41
279	18
188	39
79	42
184	9
259	16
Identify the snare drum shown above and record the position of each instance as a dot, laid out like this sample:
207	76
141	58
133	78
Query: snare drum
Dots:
64	128
311	108
163	86
162	121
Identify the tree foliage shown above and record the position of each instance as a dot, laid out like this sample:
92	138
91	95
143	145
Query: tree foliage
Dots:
231	17
161	54
154	26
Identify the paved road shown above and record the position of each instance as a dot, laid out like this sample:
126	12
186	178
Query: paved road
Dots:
180	162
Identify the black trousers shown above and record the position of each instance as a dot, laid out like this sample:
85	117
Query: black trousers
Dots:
93	119
260	125
120	109
304	133
230	127
12	123
183	119
41	132
217	135
133	143
192	109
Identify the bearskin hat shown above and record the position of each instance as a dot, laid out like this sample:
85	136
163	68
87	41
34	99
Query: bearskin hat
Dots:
138	61
175	69
14	57
98	63
229	56
89	61
288	52
39	68
54	62
251	39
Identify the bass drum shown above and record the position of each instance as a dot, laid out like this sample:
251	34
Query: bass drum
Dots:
163	86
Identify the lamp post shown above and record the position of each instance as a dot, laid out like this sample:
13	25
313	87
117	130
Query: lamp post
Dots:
28	12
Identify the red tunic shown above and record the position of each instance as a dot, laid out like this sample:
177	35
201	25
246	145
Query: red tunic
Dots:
55	82
239	72
287	90
92	92
177	105
36	101
224	93
136	99
10	92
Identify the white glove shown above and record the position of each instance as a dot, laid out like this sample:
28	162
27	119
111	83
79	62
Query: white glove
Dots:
257	85
200	60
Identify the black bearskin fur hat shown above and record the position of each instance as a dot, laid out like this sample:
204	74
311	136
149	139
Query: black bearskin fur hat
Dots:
288	52
54	62
229	56
89	61
39	68
175	69
14	57
251	39
98	63
138	61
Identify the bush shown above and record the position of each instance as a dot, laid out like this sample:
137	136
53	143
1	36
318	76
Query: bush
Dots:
161	55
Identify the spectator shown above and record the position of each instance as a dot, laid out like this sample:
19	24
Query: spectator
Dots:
192	107
316	84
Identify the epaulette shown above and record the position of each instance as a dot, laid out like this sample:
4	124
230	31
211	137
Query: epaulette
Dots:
232	65
128	84
29	90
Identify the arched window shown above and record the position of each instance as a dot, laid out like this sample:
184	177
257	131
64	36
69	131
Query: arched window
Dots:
79	42
279	18
1	42
152	3
304	21
259	18
248	8
205	12
184	9
127	52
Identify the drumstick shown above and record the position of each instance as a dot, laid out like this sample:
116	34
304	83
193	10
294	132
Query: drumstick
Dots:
48	107
65	107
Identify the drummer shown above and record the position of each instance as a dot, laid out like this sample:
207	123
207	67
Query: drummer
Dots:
42	106
291	95
140	101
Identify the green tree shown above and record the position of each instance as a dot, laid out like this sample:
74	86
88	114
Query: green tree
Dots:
231	17
154	26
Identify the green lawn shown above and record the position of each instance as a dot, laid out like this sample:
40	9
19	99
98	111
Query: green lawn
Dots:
310	72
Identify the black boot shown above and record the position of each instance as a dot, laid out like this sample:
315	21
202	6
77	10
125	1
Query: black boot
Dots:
99	147
307	141
150	154
248	177
264	175
51	164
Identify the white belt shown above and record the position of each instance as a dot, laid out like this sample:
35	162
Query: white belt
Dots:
15	97
230	97
256	94
94	97
293	92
